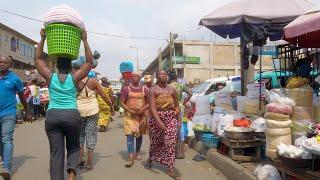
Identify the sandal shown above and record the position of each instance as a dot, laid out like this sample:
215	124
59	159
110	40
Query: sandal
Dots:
128	164
82	163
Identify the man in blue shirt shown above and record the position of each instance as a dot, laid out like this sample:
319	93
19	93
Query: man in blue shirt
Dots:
10	85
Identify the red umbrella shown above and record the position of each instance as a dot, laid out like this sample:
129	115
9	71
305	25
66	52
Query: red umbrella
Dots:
305	30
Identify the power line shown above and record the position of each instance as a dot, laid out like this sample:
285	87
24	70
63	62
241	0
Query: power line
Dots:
92	32
15	14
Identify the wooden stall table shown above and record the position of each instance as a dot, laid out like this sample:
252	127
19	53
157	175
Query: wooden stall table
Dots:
238	147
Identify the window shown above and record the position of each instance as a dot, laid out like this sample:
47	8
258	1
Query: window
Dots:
13	44
0	40
24	49
21	47
18	44
32	53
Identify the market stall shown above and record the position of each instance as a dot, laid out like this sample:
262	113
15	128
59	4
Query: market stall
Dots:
277	123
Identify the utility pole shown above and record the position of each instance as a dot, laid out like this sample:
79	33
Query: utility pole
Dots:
170	51
159	58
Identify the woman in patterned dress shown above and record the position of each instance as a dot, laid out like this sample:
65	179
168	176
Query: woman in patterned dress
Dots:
89	112
164	123
105	109
134	102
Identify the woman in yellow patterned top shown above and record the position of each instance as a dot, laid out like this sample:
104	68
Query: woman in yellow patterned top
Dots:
106	112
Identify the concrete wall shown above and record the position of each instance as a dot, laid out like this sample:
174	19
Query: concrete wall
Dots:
216	60
24	50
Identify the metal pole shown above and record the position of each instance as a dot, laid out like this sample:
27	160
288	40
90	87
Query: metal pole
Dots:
159	58
170	51
242	44
260	82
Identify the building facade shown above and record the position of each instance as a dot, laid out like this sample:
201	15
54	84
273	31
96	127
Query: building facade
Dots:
19	47
200	60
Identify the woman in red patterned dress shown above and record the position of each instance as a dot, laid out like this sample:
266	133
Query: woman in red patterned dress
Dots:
163	124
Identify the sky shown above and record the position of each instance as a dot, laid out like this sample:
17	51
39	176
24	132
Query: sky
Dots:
142	18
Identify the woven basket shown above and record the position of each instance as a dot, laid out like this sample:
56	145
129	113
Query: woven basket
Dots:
63	40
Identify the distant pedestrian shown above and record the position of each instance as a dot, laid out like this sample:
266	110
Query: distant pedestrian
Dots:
63	119
164	123
89	112
33	100
134	102
180	89
10	84
106	109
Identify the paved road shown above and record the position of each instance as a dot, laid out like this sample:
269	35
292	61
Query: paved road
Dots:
31	158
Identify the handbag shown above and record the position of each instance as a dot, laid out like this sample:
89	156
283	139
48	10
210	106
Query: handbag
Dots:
179	147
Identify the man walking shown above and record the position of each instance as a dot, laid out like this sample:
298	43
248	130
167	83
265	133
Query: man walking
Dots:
10	84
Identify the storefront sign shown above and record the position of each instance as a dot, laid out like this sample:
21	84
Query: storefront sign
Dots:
186	59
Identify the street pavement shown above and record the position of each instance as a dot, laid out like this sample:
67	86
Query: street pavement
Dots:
31	158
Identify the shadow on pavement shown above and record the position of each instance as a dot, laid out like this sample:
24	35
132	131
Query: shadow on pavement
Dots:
124	155
18	161
96	157
156	167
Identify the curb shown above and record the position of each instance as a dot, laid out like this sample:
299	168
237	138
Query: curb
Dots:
229	168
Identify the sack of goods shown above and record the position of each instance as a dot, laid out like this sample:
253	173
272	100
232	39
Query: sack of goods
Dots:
223	99
240	103
279	108
126	66
302	113
275	136
300	128
254	90
297	82
278	127
259	125
302	96
276	116
63	27
252	107
316	109
202	105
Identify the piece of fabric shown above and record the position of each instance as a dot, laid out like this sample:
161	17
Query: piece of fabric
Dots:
63	131
104	108
162	144
64	14
63	95
10	85
7	128
87	102
125	91
165	102
136	100
88	132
